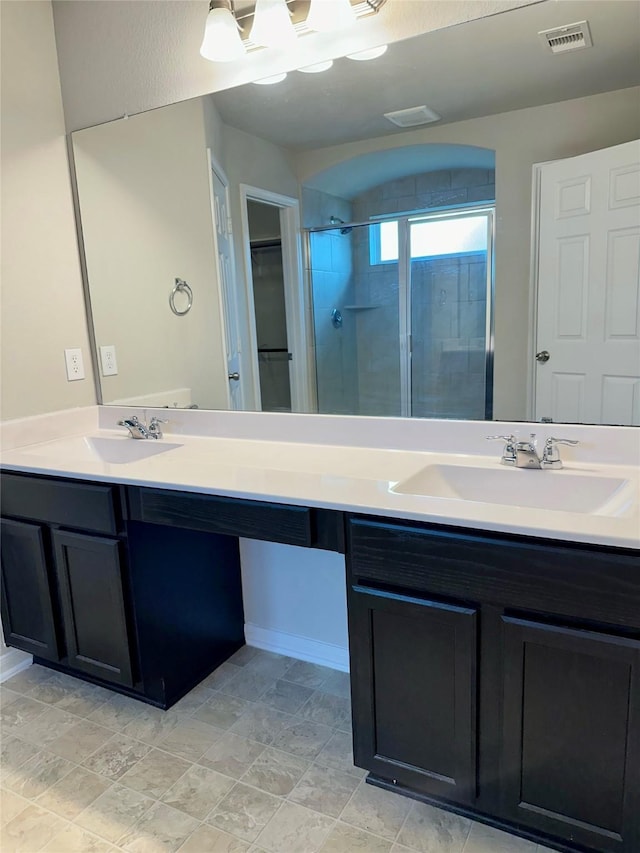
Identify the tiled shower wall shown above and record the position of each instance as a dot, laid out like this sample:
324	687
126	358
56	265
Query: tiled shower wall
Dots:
448	306
332	287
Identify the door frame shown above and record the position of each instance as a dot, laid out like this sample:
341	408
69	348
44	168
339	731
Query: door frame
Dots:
532	325
295	295
227	296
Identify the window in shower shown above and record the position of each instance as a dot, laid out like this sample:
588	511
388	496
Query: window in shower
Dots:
414	297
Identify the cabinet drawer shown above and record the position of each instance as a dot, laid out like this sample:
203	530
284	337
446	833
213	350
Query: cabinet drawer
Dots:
254	519
44	499
588	583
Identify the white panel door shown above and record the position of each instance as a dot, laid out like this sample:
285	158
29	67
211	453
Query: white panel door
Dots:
588	289
229	298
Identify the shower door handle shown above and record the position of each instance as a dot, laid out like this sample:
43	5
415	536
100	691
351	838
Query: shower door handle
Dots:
235	376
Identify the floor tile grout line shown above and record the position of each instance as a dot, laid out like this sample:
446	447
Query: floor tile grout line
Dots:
402	826
156	744
280	808
70	822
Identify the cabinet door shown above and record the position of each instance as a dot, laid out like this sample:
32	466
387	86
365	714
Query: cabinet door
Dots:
93	609
571	750
413	666
27	609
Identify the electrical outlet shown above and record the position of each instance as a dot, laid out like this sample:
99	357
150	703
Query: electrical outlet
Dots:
108	361
75	364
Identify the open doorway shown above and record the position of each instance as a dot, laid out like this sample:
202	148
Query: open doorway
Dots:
265	242
276	301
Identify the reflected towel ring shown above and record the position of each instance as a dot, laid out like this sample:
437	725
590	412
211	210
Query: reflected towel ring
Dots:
180	286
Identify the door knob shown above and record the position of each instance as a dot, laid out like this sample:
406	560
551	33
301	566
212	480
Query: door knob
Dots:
235	376
543	356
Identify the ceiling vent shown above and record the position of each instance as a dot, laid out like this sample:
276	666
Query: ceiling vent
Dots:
412	117
564	39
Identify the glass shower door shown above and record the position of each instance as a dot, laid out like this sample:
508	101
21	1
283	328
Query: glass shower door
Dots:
449	315
402	312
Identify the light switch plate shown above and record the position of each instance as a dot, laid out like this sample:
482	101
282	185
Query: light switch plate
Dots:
74	363
108	363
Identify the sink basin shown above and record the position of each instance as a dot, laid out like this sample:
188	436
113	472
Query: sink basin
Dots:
116	451
552	490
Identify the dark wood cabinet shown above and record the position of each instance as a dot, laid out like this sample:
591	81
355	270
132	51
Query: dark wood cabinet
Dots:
27	589
63	595
414	688
571	750
148	609
92	600
500	676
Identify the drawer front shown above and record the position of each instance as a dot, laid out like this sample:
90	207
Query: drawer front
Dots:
51	501
589	584
253	519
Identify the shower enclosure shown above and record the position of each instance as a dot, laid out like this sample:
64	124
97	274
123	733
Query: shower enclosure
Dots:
403	315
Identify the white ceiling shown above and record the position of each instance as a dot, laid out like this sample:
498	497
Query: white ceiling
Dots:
478	68
128	56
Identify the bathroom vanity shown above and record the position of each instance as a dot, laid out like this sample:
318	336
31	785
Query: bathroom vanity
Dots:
493	673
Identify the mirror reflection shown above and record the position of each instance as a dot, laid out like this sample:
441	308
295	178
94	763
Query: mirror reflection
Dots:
342	264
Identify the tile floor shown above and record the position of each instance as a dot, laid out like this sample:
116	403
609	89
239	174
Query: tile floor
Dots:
256	759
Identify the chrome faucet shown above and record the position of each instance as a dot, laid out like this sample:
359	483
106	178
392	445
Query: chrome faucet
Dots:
524	454
137	429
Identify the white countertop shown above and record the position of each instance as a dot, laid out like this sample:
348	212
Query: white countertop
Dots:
327	473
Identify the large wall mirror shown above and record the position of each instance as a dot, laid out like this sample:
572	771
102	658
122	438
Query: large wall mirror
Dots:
286	247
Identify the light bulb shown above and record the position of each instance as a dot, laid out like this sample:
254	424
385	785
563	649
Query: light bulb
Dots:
328	15
272	25
317	67
221	42
370	53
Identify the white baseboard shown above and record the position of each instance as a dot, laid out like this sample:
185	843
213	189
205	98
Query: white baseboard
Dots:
303	648
12	662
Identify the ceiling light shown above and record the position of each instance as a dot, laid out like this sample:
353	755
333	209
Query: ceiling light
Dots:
272	26
268	81
317	67
326	16
371	53
221	42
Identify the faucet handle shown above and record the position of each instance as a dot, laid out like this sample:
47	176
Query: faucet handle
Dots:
133	421
509	452
154	429
551	454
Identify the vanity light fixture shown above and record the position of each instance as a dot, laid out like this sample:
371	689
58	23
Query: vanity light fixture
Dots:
327	16
272	25
221	42
370	53
317	67
234	29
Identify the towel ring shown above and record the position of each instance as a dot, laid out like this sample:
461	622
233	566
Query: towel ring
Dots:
180	287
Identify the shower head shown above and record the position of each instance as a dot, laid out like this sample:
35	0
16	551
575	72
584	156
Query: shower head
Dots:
335	220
